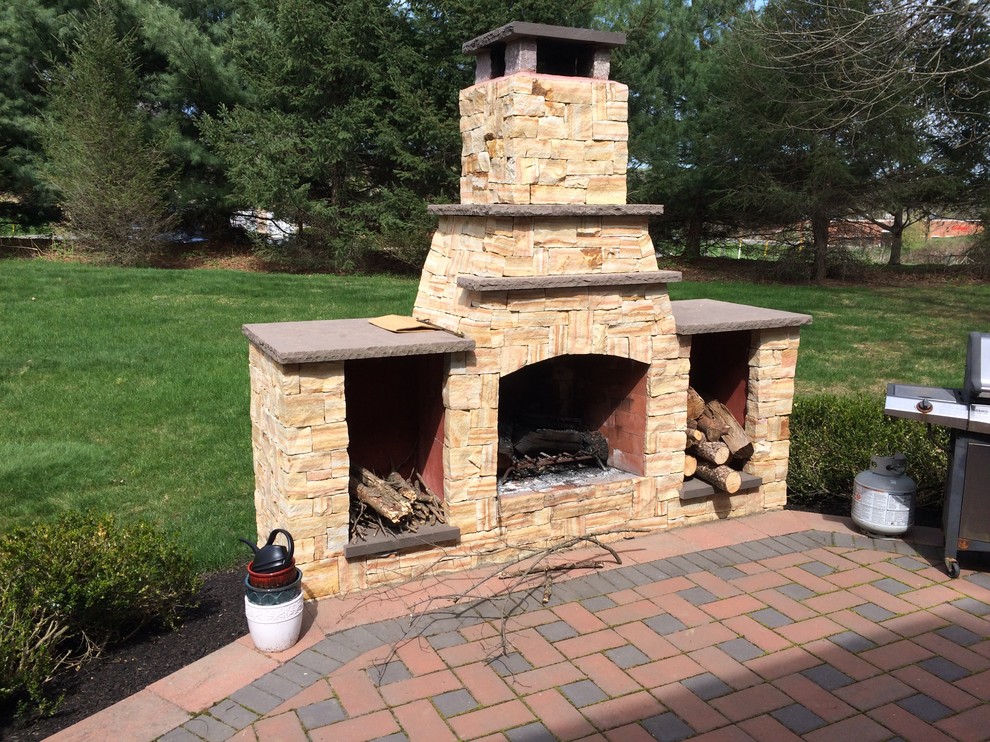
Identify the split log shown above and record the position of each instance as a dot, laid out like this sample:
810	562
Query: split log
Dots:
712	428
690	465
693	436
736	439
695	404
386	506
400	485
712	452
436	504
367	522
379	495
723	477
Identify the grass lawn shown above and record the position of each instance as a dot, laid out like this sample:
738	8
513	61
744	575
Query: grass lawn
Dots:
127	390
864	336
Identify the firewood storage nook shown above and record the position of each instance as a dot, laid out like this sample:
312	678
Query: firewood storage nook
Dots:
551	401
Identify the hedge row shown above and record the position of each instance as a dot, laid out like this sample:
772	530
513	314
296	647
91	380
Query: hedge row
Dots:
72	587
834	436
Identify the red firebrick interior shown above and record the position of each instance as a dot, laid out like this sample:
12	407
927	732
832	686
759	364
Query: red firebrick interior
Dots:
720	369
603	393
395	415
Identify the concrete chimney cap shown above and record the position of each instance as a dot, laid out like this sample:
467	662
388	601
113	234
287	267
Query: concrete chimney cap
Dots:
521	29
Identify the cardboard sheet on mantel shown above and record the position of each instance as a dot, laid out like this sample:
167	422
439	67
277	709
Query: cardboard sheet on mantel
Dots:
398	323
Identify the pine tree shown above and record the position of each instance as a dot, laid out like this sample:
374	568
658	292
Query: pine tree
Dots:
855	107
351	123
668	62
29	34
182	73
111	180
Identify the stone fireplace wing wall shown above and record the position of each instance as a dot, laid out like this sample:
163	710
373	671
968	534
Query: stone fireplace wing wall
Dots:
769	364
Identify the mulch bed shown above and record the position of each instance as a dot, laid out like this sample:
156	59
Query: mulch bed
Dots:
123	671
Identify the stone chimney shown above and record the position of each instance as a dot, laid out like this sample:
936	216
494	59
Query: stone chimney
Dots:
543	124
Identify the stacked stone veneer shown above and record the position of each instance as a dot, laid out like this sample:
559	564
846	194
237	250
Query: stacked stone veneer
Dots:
299	437
517	327
301	466
541	259
539	139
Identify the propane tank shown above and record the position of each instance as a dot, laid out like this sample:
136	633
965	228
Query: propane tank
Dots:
883	496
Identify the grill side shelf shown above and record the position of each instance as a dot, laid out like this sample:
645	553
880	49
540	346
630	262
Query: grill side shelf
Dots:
928	404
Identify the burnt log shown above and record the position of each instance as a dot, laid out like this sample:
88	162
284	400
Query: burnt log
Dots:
528	466
712	452
723	477
506	453
546	440
597	444
552	441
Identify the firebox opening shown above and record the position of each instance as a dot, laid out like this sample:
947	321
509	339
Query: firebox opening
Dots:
720	369
395	416
573	411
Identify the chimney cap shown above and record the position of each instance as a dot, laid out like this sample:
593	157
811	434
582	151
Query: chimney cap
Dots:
521	29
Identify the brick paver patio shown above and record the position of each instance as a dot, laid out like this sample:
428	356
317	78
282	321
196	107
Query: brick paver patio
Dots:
775	627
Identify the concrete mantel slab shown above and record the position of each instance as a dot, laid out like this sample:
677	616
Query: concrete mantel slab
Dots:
546	210
347	339
702	316
571	280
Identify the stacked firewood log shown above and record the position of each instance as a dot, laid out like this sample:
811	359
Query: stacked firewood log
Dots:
717	445
392	505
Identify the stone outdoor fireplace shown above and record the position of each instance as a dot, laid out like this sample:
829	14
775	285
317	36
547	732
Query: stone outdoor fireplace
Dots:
549	317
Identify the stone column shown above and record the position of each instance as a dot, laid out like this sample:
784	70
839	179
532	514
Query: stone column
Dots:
299	437
773	360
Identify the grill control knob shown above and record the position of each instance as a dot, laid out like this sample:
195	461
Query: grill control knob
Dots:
924	405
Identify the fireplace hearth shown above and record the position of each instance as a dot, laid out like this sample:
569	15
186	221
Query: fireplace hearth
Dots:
548	399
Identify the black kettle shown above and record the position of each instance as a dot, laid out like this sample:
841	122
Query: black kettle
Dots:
272	557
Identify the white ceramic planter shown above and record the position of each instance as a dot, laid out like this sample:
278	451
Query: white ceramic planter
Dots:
274	628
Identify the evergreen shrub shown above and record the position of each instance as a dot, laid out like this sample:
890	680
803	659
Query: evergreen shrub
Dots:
79	584
30	655
798	264
834	436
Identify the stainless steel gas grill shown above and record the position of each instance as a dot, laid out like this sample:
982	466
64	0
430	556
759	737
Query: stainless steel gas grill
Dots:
966	412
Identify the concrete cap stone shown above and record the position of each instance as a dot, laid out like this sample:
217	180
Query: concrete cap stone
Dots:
701	316
346	339
521	29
